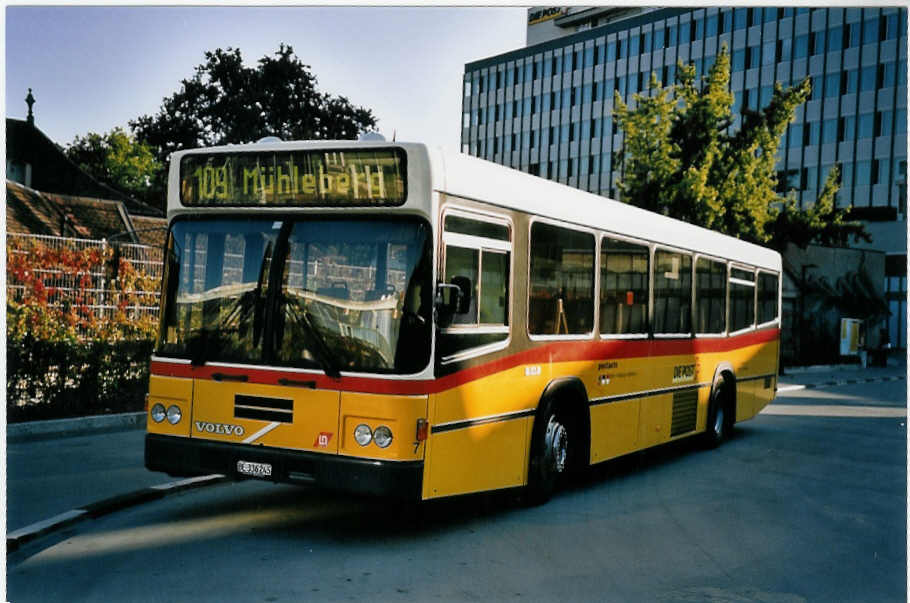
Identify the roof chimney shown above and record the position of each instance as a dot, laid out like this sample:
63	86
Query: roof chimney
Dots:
30	100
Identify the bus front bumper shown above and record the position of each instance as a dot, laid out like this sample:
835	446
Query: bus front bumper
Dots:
190	457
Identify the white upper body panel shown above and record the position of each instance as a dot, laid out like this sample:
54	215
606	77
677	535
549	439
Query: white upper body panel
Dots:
435	170
481	180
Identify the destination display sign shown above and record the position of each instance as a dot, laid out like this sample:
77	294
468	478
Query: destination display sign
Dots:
358	177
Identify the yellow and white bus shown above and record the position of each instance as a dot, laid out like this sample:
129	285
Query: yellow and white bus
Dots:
391	319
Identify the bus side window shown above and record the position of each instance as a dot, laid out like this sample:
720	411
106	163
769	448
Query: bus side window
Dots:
742	299
710	296
477	254
562	281
623	287
767	297
672	292
463	264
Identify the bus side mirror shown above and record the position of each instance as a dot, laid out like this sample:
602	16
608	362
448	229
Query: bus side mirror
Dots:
464	297
451	299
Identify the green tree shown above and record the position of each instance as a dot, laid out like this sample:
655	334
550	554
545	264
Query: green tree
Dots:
118	160
226	102
681	159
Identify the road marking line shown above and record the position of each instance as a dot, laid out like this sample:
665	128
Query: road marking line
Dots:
186	482
790	388
810	410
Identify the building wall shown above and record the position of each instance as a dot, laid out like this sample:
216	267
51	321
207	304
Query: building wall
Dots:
546	109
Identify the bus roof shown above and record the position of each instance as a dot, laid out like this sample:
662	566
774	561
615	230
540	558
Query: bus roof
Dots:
474	178
477	179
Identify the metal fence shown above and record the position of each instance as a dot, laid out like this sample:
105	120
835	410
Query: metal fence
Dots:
92	288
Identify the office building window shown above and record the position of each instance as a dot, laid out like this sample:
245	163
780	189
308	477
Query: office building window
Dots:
835	39
685	32
817	42
829	131
753	57
849	81
801	47
769	53
866	125
870	30
816	88
711	26
890	27
846	128
739	18
611	51
883	122
863	173
852	33
795	138
887	75
867	77
832	85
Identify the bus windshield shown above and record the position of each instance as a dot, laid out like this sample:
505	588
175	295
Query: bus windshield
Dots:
334	294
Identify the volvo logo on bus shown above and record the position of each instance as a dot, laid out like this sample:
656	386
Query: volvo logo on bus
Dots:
219	428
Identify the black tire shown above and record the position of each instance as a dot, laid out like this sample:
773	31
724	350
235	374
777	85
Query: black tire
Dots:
550	452
720	420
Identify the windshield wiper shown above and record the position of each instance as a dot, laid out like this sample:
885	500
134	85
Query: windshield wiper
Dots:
323	353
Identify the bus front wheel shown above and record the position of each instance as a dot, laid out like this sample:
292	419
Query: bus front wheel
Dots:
549	453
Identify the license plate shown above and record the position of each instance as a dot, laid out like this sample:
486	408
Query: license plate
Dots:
254	469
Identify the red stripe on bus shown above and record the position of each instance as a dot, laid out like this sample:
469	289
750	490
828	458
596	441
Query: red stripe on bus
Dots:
562	351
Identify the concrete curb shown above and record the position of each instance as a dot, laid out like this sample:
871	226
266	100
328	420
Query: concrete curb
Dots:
22	536
796	387
62	428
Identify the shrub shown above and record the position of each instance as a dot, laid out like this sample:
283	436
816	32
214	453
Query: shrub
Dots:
80	330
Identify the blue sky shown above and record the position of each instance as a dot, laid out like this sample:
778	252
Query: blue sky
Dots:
95	68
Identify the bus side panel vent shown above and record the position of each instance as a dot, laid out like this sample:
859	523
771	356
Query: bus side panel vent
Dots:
685	412
263	409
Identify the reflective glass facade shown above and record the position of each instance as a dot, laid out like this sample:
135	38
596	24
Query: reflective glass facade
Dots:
547	109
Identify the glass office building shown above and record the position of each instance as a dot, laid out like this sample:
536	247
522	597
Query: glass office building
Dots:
547	108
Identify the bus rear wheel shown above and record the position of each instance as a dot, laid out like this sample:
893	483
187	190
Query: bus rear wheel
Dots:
720	421
550	454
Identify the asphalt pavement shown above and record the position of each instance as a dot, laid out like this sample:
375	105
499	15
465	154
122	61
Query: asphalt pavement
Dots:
50	476
797	507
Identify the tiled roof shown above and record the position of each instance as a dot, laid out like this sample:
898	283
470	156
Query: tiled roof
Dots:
151	231
35	212
30	212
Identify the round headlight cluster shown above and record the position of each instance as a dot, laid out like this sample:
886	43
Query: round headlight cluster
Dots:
364	435
382	436
158	413
173	414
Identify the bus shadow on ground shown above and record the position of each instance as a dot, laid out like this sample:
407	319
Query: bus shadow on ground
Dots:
372	518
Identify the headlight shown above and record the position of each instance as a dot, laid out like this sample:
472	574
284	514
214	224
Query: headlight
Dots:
363	434
382	436
174	415
158	413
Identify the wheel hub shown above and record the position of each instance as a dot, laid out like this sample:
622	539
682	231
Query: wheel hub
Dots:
557	441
